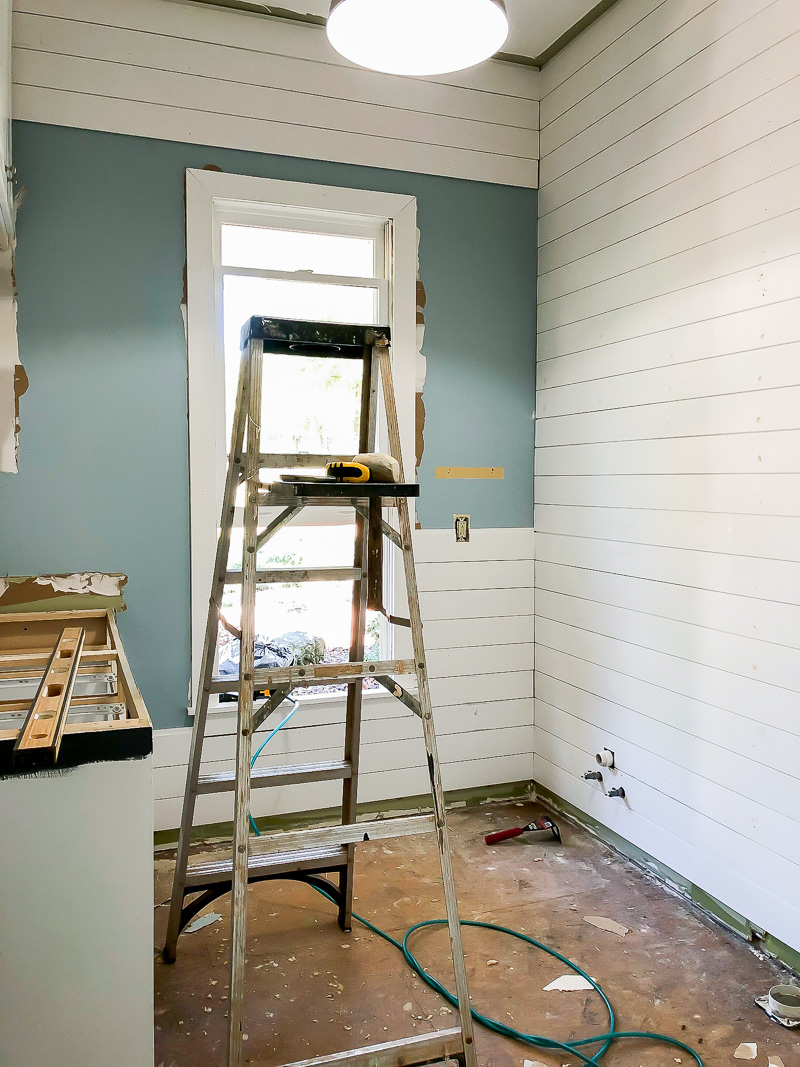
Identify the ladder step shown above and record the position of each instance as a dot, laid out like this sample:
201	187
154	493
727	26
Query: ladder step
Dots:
298	574
214	872
295	850
350	833
408	1052
316	674
294	774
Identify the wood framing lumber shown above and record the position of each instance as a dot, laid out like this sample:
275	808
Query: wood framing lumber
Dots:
43	729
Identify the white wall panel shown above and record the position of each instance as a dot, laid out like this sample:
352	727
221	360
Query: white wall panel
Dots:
667	574
477	610
234	79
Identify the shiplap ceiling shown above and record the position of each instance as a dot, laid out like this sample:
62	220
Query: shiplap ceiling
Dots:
535	24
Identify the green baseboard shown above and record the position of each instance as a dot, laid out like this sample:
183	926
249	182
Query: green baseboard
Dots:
729	918
454	798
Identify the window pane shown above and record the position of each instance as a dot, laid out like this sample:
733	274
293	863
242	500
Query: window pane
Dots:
323	253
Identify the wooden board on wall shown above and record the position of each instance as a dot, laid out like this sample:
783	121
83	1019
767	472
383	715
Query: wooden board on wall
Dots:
667	580
236	79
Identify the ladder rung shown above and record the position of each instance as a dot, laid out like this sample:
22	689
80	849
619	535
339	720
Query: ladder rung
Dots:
316	674
221	870
408	1052
291	775
299	574
272	460
350	833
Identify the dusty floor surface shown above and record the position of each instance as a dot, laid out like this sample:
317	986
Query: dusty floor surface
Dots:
312	989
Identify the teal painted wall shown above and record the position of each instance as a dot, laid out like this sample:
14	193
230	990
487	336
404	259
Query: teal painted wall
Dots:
103	481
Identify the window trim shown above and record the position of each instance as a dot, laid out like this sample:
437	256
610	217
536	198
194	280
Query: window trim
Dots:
209	194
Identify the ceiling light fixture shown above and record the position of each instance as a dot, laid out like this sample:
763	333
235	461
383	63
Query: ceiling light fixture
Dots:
417	37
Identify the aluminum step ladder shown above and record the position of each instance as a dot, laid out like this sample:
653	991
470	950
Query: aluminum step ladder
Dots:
310	854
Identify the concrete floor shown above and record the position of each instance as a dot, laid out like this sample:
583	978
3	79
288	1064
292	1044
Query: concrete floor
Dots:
312	989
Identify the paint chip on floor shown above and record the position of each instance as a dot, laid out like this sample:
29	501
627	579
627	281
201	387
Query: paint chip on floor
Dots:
747	1050
568	983
204	920
610	925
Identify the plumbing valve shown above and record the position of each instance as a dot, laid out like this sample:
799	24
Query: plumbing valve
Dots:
593	776
617	792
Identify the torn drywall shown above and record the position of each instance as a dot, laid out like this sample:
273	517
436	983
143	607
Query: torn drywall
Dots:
62	592
13	380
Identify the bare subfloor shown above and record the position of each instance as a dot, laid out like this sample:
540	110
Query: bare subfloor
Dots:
312	990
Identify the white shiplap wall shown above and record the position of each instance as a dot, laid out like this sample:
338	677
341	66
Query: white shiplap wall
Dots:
477	607
668	439
186	72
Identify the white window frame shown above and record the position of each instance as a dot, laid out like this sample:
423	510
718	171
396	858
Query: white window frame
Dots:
212	196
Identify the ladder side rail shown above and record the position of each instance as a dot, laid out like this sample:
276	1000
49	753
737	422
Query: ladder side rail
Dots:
209	653
244	738
352	739
429	732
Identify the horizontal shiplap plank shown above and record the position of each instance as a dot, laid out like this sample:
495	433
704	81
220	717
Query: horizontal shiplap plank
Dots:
484	545
562	83
584	199
775	666
309	744
689	248
379	785
760	536
744	616
680	838
659	49
306	112
489	659
143	68
736	178
737	333
736	494
690	95
763	579
185	21
574	169
174	123
763	411
252	66
748	453
684	263
494	574
759	744
776	368
746	696
663	759
757	286
476	603
478	633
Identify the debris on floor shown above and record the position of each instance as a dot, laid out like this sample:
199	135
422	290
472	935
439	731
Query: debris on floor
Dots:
748	1050
568	983
607	924
204	920
782	1005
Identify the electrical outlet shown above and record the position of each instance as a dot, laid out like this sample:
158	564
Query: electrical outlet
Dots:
461	526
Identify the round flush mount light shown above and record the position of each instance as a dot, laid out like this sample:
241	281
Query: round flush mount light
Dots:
417	37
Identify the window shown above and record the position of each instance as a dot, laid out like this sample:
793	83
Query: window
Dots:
306	252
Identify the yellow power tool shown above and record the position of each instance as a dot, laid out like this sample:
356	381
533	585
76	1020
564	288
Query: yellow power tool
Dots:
348	472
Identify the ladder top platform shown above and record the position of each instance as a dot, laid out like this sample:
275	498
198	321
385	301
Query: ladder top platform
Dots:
299	337
346	490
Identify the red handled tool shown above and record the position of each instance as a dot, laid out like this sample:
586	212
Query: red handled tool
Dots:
539	825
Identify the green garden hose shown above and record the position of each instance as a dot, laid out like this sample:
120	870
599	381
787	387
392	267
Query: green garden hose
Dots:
604	1040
